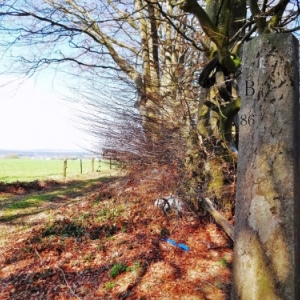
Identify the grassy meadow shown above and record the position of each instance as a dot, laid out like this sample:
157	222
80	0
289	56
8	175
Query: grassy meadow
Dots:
24	169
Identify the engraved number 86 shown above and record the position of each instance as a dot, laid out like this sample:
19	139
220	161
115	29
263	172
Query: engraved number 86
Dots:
247	120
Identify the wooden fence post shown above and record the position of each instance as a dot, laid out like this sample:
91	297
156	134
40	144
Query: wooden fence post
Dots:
93	165
65	165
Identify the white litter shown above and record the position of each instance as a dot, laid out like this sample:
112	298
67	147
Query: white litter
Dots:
169	202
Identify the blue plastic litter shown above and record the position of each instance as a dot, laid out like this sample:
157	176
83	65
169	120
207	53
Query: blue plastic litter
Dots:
180	246
172	242
183	247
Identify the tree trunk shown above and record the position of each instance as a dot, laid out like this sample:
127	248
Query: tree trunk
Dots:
215	121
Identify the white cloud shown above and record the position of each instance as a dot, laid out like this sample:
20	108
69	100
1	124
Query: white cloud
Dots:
31	118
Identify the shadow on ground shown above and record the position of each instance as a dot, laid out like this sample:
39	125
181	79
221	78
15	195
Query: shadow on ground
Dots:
24	199
103	239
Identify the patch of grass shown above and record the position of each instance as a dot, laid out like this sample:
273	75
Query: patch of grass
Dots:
13	207
110	214
119	210
3	197
117	269
223	261
16	207
137	266
51	196
21	204
7	217
83	216
109	285
31	169
103	214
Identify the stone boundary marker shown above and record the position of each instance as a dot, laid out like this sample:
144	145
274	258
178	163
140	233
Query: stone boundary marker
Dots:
266	233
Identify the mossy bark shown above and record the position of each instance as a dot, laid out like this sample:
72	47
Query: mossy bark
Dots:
215	116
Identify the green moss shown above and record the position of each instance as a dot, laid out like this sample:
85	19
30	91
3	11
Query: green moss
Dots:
227	114
216	178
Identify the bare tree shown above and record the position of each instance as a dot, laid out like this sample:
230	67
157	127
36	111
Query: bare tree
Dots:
138	50
161	52
113	37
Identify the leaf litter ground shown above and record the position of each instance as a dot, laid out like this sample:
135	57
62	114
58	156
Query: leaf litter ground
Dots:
103	239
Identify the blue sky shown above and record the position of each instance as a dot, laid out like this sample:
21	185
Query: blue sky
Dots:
33	117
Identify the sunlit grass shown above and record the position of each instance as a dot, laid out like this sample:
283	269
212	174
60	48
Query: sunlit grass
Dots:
13	207
41	169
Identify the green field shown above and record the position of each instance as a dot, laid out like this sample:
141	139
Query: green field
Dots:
19	169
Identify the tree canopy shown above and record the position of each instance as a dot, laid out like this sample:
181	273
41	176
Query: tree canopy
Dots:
157	47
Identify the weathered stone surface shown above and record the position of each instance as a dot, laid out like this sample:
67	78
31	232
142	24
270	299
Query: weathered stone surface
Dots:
266	234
